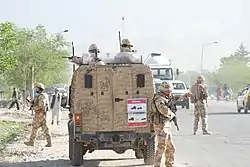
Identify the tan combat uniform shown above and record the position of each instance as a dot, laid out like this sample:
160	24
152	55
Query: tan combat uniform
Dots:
39	120
200	94
163	138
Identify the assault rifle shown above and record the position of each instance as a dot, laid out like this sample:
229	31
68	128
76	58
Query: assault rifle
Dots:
173	108
31	102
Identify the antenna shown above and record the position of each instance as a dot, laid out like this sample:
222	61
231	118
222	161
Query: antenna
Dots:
73	48
120	42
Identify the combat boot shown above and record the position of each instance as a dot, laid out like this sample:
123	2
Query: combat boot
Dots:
52	122
207	133
29	143
194	133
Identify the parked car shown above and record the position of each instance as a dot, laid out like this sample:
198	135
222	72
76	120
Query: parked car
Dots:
243	100
179	89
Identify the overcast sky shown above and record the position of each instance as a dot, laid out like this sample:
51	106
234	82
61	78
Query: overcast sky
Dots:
176	28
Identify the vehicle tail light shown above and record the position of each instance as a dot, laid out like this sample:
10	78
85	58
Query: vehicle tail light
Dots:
78	122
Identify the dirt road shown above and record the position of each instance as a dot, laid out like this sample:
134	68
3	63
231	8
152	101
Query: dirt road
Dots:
18	154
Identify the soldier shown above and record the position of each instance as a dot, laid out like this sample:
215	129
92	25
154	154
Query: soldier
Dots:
93	51
199	97
126	46
126	55
162	117
39	119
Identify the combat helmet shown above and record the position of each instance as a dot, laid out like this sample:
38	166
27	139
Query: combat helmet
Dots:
40	85
200	78
93	48
165	87
126	43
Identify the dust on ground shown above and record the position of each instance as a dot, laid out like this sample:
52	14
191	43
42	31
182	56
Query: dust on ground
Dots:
19	155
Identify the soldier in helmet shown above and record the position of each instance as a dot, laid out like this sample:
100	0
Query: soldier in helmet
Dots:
93	51
199	98
126	46
126	55
39	120
162	118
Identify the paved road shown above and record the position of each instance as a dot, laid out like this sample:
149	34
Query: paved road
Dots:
229	146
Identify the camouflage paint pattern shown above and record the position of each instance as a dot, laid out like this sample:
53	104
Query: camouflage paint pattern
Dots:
163	138
200	113
39	120
99	110
165	145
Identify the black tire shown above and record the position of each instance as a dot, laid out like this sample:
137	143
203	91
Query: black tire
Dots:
77	154
182	106
71	138
139	154
239	110
245	110
149	152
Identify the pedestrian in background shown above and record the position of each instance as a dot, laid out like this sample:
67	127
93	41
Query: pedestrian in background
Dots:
56	106
14	100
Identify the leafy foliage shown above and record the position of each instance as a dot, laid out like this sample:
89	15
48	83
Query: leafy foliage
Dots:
33	48
234	71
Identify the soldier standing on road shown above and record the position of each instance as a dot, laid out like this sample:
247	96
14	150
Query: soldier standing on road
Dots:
162	118
199	97
39	119
56	106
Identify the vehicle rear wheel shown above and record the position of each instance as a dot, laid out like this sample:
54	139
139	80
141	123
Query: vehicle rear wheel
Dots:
77	154
71	138
138	154
182	106
245	110
149	151
239	110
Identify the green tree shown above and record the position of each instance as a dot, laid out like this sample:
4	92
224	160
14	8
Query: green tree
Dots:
36	48
8	43
234	70
240	56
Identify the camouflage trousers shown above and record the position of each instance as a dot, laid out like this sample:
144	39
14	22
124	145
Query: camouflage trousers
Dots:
39	122
200	112
164	145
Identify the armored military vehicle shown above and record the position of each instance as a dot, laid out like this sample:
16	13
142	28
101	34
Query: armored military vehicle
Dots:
110	108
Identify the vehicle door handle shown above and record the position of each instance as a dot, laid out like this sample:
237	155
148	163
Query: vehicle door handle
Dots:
118	99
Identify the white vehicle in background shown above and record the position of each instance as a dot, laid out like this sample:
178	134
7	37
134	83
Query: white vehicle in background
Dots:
243	100
161	67
179	89
157	83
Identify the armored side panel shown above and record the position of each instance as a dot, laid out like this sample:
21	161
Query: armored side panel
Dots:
84	97
100	94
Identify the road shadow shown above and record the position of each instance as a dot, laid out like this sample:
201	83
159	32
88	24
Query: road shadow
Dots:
227	113
63	163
